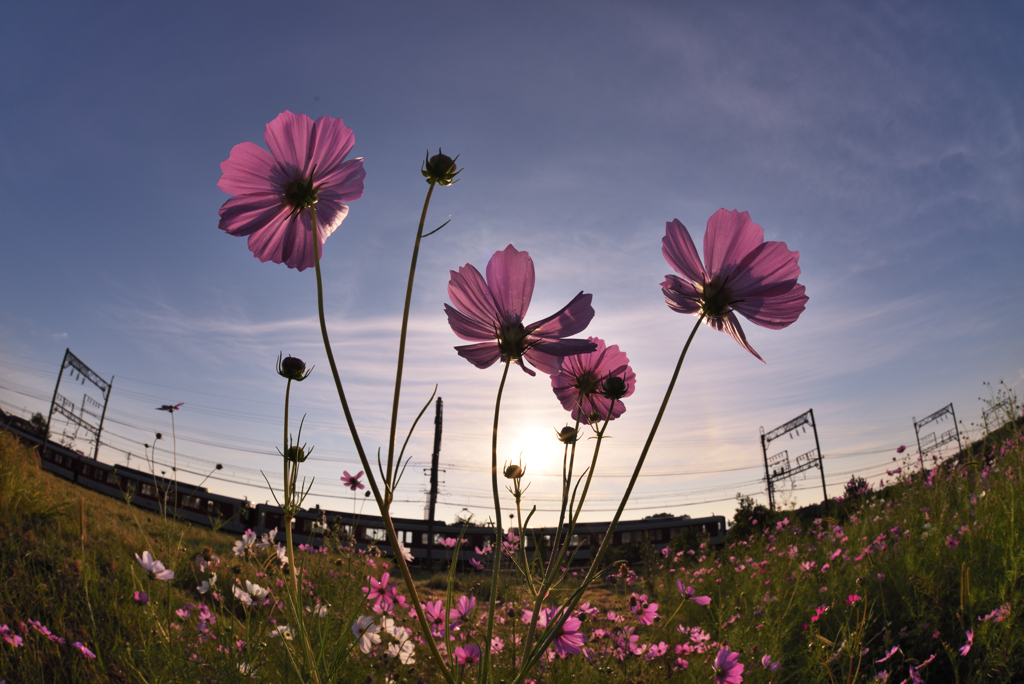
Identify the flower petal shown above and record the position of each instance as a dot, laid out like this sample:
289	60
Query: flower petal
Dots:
289	137
331	142
250	169
729	238
481	355
468	328
343	184
678	249
681	295
510	278
731	325
469	293
777	311
573	318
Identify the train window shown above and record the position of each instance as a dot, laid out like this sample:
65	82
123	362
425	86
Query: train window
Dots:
375	533
405	536
85	471
625	538
424	539
580	540
112	478
148	490
658	535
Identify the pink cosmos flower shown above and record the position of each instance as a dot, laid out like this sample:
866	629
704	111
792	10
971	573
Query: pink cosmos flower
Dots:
352	481
900	449
467	655
966	648
728	669
570	640
592	381
997	615
274	191
86	653
141	597
490	313
744	273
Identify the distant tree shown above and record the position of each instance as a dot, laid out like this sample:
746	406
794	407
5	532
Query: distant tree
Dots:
750	516
38	423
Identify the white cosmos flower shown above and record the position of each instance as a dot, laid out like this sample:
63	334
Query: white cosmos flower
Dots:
367	632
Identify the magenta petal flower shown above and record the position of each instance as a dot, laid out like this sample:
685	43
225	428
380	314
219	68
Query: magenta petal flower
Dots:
490	312
581	383
744	274
728	669
352	481
273	191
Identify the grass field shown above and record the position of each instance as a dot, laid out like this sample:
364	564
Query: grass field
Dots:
919	580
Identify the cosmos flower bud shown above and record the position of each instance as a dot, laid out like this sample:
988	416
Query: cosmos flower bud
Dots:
514	471
567	435
614	388
291	368
296	454
440	169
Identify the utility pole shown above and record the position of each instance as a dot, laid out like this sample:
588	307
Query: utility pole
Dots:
434	457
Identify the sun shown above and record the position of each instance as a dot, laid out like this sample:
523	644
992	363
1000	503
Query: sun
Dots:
541	451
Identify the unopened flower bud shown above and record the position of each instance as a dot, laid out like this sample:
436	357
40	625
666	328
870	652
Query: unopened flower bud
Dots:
614	388
291	368
440	169
513	471
567	435
296	454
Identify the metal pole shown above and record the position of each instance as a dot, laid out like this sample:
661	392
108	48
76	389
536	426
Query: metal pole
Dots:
767	474
917	436
434	457
821	467
957	427
106	398
49	416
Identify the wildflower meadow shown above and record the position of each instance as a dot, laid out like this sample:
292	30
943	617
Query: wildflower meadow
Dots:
916	578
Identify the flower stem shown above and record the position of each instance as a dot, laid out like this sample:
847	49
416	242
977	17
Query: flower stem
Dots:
531	659
495	573
382	504
401	344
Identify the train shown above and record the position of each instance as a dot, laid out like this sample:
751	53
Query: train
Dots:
422	539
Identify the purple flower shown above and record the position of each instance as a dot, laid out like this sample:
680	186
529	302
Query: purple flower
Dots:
570	640
490	313
901	448
273	191
744	273
728	669
352	481
85	651
592	381
170	408
966	648
468	655
141	597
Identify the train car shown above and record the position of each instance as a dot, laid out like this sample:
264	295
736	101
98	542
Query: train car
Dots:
197	504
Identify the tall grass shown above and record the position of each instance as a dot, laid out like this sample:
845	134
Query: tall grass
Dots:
919	580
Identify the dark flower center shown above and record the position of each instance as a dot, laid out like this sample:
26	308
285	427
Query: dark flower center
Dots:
300	193
513	341
587	383
718	299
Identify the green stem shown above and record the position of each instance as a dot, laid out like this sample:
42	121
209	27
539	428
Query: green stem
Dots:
554	629
382	505
401	343
495	573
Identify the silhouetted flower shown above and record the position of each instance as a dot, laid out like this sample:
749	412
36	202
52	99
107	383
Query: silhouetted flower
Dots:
743	273
581	382
273	191
352	481
170	408
491	313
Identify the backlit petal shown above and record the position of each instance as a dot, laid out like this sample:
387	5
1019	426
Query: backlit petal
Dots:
510	277
729	238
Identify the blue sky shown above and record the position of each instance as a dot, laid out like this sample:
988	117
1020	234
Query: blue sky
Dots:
883	141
